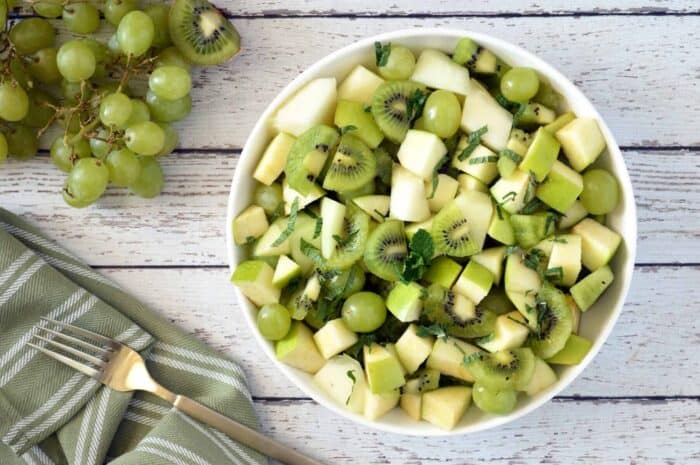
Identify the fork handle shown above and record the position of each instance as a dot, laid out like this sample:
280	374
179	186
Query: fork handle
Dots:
242	433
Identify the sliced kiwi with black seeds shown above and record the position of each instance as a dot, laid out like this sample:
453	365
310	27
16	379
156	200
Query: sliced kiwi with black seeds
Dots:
423	381
202	33
554	323
451	234
352	167
505	369
386	250
307	157
390	108
350	245
456	314
299	305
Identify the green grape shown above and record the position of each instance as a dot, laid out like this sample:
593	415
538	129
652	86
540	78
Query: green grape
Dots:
40	112
88	179
139	112
364	312
71	91
171	139
160	13
171	56
71	121
520	84
14	102
22	142
269	198
493	401
99	146
42	66
114	10
103	56
346	282
170	82
601	192
3	148
64	156
135	33
75	60
48	8
113	44
71	199
124	167
167	111
442	114
31	35
400	64
19	72
81	18
145	138
150	180
115	109
274	321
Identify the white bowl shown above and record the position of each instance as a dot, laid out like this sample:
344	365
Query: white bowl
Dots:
596	323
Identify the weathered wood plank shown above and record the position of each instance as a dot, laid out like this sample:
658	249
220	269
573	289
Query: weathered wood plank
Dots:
643	357
562	432
185	226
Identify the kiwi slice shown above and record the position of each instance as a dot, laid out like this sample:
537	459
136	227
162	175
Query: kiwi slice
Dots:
451	232
351	244
299	305
386	250
456	314
352	167
385	165
202	33
390	108
423	381
497	301
505	369
553	322
307	156
342	284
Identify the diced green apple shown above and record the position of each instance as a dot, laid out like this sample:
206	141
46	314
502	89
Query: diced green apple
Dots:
447	357
273	160
413	349
445	190
480	109
312	105
474	282
404	301
408	198
573	215
334	337
582	142
268	246
481	163
445	407
377	405
500	228
598	243
467	182
254	279
333	214
511	331
443	271
542	378
522	285
437	70
561	188
587	291
250	224
286	270
298	349
561	121
384	371
359	85
492	259
540	155
289	195
420	152
512	192
391	347
349	113
566	254
411	404
376	206
343	380
574	351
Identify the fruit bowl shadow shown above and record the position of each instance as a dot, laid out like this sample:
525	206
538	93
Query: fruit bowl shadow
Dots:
596	323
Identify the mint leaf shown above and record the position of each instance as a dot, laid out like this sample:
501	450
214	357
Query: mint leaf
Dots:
432	330
348	128
473	142
318	226
416	102
436	174
313	253
421	250
351	374
381	53
513	156
469	359
480	160
291	223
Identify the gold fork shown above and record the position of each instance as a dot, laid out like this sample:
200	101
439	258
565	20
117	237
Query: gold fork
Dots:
121	368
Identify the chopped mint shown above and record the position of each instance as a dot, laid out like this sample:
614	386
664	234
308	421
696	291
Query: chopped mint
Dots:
313	253
509	197
469	359
344	241
416	102
480	160
533	258
510	155
473	142
532	207
421	250
559	240
432	330
351	374
366	108
291	223
436	174
249	240
556	273
381	53
317	228
348	128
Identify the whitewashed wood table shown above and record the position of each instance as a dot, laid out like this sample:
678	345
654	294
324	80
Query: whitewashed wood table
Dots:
637	60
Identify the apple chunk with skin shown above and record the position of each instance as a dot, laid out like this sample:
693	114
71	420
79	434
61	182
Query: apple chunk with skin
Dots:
343	380
298	349
359	85
420	152
254	279
405	302
480	109
582	142
437	70
384	371
312	105
561	188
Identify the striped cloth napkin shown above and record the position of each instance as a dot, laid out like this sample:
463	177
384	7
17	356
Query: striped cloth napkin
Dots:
50	414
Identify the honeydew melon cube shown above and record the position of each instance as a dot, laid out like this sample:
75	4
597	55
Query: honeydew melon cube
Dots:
437	70
349	113
573	215
404	301
480	109
289	195
384	371
408	198
411	404
474	282
481	163
542	378
587	291
445	407
343	380
286	270
467	182
575	350
333	214
274	159
312	105
540	155
413	349
376	405
492	259
298	349
598	243
511	331
566	254
445	190
522	285
265	247
413	228
334	337
254	279
250	224
420	152
512	192
561	188
376	206
582	142
447	357
476	208
443	271
500	228
359	85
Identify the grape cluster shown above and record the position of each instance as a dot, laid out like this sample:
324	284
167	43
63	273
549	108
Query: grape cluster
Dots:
111	133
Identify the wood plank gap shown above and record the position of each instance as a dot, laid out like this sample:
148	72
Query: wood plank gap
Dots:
558	399
224	266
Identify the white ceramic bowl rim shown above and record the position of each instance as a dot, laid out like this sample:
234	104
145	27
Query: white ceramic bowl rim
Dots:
627	222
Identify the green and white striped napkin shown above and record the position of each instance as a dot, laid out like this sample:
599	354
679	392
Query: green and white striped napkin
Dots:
50	414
